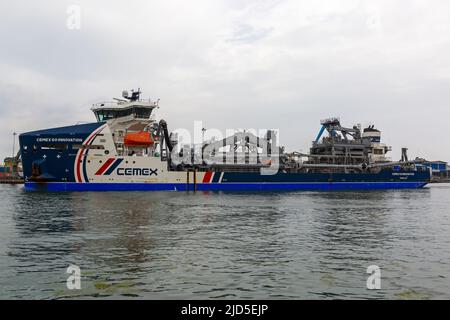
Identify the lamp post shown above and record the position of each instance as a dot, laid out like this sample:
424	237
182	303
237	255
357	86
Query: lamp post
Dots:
203	136
13	154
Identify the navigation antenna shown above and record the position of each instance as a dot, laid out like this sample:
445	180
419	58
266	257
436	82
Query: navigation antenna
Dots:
134	94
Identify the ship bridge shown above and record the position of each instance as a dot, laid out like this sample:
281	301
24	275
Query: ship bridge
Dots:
131	122
127	109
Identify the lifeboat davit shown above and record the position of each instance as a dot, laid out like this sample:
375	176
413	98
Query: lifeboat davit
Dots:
142	138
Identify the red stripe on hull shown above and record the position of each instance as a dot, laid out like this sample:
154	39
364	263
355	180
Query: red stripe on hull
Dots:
207	177
78	170
78	159
104	166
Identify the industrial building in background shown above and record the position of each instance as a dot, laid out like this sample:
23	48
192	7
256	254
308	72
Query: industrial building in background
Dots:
440	171
11	170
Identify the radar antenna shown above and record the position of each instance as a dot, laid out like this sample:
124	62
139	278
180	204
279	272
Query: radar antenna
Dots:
134	94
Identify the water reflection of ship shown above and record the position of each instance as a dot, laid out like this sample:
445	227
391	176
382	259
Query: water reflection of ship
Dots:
90	231
340	224
115	233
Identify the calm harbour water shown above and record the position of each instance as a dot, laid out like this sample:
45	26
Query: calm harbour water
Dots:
169	245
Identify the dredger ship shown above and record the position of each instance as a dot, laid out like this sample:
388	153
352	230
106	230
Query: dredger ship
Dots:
128	149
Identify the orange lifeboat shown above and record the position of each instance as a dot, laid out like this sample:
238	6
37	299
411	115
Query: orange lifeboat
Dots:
141	138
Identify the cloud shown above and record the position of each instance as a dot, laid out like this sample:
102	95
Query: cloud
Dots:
259	64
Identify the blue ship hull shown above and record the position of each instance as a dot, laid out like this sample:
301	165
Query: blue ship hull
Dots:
325	186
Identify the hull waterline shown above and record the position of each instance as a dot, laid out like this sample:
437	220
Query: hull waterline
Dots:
323	186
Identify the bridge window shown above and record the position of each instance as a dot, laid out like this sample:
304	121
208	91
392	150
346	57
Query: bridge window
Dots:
103	115
142	113
137	112
377	151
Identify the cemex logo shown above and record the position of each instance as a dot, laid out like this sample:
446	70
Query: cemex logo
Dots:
111	164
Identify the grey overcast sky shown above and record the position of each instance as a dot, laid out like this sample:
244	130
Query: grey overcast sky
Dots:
235	64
